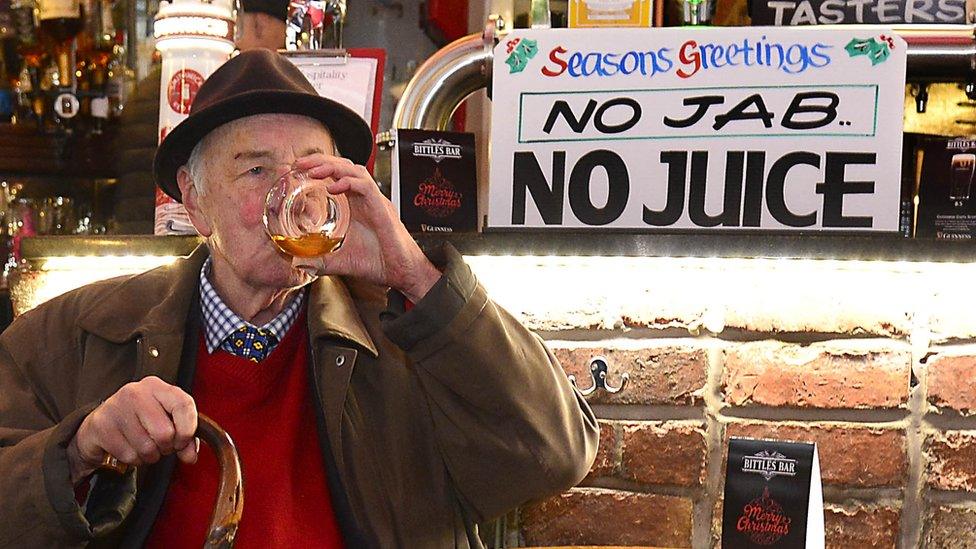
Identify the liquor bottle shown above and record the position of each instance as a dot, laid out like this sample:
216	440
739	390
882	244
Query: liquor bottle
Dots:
35	59
102	32
22	90
121	79
61	21
99	103
7	98
24	21
7	62
28	77
84	43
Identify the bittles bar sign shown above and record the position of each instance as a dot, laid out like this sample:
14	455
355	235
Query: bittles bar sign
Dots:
761	129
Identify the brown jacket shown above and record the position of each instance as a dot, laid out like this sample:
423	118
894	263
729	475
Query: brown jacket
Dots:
430	420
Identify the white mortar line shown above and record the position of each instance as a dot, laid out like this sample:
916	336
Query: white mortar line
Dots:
705	505
913	506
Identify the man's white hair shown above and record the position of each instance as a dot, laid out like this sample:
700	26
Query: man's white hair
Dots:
195	165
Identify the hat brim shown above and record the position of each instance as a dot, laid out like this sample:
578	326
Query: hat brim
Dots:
349	131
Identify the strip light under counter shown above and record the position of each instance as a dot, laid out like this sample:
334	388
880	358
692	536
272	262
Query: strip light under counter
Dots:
626	282
53	265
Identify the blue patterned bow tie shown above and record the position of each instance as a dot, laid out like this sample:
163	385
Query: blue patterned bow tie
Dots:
254	344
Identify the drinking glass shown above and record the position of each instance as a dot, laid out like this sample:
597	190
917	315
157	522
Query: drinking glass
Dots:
962	166
303	218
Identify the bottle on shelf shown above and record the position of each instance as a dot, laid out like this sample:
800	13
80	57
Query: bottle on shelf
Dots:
32	57
9	62
96	59
22	92
35	62
121	81
61	21
7	98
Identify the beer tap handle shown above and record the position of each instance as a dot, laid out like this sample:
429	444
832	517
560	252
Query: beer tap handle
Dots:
599	366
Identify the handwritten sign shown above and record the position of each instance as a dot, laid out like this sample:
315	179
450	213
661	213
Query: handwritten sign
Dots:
872	12
731	129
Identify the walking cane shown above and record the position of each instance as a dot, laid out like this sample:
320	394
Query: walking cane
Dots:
230	493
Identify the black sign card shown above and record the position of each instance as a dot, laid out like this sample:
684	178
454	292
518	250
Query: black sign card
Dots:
946	197
873	12
770	500
435	181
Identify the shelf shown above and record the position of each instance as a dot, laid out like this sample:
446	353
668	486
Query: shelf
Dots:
26	151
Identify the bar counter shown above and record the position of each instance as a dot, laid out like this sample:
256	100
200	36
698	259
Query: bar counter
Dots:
853	342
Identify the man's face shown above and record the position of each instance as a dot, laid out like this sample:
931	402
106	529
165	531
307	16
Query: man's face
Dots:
241	160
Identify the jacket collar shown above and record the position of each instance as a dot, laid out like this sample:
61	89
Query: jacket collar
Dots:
332	312
158	302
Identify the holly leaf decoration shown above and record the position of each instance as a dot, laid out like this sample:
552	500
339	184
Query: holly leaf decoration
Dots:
875	50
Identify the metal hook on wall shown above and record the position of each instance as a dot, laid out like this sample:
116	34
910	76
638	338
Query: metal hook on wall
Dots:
599	366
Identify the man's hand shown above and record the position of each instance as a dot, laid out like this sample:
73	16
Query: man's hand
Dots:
139	424
377	247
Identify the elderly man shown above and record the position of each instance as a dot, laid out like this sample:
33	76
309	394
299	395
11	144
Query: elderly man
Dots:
387	403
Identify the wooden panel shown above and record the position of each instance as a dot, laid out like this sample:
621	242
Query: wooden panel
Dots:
26	151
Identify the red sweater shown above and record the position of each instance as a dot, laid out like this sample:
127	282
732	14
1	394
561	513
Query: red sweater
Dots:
267	409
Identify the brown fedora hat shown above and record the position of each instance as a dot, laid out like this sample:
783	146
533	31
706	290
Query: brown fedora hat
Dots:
257	81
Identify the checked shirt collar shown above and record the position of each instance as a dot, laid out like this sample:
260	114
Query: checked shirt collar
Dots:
220	322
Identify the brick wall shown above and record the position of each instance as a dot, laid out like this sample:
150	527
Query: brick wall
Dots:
884	382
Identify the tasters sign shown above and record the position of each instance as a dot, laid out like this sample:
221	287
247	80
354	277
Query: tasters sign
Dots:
735	128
